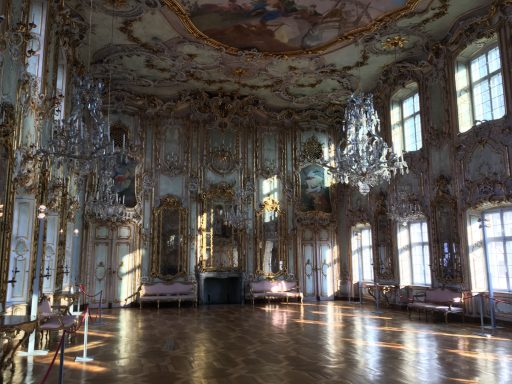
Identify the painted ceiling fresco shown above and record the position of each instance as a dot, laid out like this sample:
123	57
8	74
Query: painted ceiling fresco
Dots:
287	25
309	54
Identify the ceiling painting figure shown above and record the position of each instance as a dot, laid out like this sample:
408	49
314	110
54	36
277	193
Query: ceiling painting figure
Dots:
286	25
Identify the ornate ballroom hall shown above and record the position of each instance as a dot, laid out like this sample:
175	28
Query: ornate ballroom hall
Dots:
260	191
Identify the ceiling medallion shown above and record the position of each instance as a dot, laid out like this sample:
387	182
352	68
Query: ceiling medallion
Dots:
394	42
286	27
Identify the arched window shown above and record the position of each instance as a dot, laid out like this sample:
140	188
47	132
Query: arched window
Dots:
413	253
35	48
405	119
479	84
362	255
490	249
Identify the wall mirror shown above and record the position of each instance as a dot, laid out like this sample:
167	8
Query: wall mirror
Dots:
383	260
271	248
221	238
447	263
169	239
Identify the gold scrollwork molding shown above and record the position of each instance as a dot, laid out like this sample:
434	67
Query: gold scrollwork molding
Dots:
269	204
221	190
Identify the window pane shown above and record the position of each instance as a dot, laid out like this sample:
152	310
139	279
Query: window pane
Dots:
507	222
410	134
493	56
413	254
479	68
482	101
362	250
498	100
408	107
498	231
497	263
417	125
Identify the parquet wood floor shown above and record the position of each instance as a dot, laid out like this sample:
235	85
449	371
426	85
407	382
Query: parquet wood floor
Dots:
333	342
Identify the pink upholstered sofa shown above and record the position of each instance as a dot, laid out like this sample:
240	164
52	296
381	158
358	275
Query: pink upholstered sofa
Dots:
442	300
274	289
168	291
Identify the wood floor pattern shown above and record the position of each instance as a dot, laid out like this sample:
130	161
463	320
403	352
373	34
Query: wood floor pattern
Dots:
334	342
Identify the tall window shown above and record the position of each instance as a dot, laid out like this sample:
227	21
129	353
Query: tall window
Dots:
405	119
413	254
495	227
479	86
362	256
36	45
61	85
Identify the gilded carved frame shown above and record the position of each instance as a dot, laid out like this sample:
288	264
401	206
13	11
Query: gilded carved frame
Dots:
209	260
172	206
271	206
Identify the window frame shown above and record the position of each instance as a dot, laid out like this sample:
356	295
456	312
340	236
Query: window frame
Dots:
397	100
465	61
503	239
359	252
410	248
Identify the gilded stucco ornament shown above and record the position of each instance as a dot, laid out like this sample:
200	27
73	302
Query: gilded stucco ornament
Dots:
7	121
26	168
56	190
314	218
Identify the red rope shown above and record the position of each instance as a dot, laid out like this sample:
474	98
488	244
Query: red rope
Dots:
53	360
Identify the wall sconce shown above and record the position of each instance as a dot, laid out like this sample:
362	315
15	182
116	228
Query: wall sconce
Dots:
14	273
48	274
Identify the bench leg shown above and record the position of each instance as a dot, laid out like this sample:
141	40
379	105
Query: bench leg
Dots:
179	303
158	304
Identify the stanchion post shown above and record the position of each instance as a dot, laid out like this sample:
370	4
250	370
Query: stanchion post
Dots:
84	357
481	311
101	300
61	368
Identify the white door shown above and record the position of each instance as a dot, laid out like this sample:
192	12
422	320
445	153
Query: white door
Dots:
318	269
115	269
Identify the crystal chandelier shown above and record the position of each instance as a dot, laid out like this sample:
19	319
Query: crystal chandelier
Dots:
83	139
105	204
235	218
363	158
405	208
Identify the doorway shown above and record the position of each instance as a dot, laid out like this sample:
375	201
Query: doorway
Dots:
114	265
318	262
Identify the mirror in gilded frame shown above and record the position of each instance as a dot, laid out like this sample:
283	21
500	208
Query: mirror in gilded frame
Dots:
169	239
270	229
220	242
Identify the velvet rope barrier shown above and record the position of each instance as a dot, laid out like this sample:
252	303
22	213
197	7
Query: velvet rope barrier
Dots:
82	289
60	348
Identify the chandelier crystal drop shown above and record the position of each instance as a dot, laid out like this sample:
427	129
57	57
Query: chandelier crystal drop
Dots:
363	158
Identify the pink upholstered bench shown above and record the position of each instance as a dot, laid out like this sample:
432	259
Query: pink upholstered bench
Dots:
442	300
168	291
274	289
